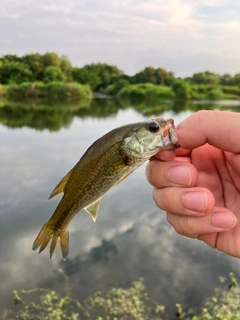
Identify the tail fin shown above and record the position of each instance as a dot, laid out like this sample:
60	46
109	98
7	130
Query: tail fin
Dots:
46	234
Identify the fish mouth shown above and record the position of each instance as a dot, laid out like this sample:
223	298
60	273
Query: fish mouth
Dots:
169	136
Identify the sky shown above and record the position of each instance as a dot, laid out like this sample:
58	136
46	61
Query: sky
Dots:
183	36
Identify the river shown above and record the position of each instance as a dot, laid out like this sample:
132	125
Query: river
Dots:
131	237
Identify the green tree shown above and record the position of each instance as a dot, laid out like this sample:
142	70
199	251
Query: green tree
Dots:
53	74
10	57
155	76
198	78
80	75
161	76
225	79
83	76
205	78
51	59
147	75
66	66
97	75
170	78
13	72
35	62
107	74
235	81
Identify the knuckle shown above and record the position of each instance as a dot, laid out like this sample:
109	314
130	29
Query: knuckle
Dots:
157	197
183	225
187	225
202	115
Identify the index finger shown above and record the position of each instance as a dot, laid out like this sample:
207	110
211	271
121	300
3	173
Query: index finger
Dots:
220	129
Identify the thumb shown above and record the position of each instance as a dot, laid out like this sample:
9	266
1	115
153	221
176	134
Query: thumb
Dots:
220	129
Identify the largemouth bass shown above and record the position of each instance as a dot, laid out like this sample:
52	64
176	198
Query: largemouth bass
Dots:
107	162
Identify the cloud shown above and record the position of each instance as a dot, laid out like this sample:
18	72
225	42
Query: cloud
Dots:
131	34
218	3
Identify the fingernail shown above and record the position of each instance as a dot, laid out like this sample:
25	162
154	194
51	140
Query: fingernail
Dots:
196	201
179	175
224	220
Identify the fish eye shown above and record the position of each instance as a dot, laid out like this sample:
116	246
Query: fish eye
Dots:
153	127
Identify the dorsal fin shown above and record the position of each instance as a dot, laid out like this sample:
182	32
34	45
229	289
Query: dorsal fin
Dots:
92	209
60	187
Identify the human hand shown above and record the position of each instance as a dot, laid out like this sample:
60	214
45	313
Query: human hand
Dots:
198	185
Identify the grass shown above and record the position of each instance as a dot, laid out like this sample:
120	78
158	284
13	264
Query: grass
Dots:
147	92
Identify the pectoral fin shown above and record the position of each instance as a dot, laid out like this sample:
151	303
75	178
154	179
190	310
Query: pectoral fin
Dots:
60	187
92	209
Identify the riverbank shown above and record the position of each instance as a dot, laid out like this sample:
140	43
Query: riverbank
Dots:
179	90
147	92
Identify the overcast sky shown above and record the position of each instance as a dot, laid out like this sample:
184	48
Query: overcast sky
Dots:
183	36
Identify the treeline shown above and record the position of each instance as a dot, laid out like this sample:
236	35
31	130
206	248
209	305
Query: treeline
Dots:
51	67
52	76
214	79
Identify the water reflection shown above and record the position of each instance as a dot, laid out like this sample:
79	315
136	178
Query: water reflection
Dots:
131	237
52	116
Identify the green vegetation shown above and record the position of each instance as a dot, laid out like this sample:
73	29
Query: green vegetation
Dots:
133	303
51	90
224	304
147	92
148	84
157	76
3	91
214	79
116	303
53	74
97	75
31	67
181	89
52	115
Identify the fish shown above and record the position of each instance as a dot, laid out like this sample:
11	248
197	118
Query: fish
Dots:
106	163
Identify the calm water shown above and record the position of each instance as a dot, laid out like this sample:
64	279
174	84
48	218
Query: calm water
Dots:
131	237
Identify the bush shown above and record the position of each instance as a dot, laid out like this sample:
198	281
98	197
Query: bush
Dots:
215	94
136	93
113	89
181	89
146	91
21	91
54	90
235	90
202	88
